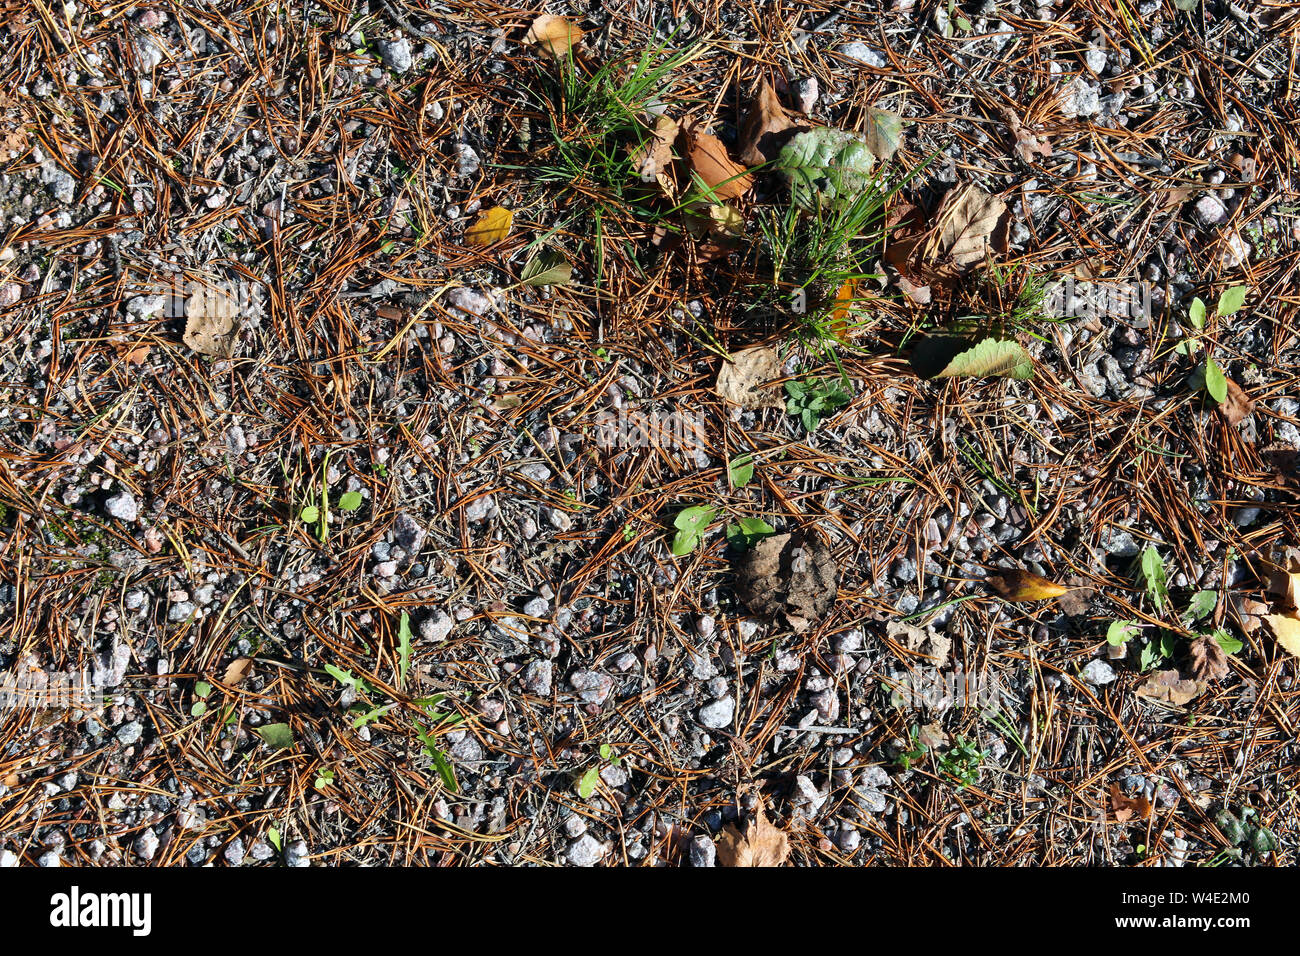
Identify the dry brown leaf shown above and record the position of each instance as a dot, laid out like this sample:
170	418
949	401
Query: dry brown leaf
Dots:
1028	144
767	128
1284	461
237	670
13	129
1286	631
1209	662
746	379
1170	687
1017	585
789	575
1076	601
492	226
210	324
762	844
932	735
555	35
1284	583
1237	406
1124	808
652	160
925	642
967	219
726	178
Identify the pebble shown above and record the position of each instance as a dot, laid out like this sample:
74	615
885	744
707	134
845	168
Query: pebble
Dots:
397	54
592	686
806	92
718	714
1210	211
123	506
1079	98
1098	673
703	852
468	301
146	844
467	161
8	858
129	733
234	852
538	678
585	851
296	854
861	53
436	627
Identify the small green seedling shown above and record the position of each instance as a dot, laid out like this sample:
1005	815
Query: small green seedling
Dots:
1208	375
690	524
324	778
273	835
740	470
590	779
814	399
916	754
962	762
201	691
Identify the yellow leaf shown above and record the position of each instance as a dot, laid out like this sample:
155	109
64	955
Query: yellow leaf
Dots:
727	220
1286	628
491	226
761	844
1017	585
555	35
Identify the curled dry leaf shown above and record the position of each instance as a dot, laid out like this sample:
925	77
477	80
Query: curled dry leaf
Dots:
237	670
1028	144
1124	809
967	221
1209	662
762	844
1237	406
767	128
210	323
492	226
884	133
708	159
1018	585
652	159
932	736
789	575
1284	461
1286	631
555	35
746	379
1170	687
924	641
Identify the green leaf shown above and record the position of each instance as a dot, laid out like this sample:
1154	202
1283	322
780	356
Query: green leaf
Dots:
1196	314
740	470
1121	632
350	500
202	688
276	736
1216	383
1153	573
1187	347
989	358
605	751
684	543
587	783
198	709
745	532
1226	641
403	648
826	168
1263	840
1202	603
273	835
1186	5
309	514
693	519
548	267
1231	300
440	762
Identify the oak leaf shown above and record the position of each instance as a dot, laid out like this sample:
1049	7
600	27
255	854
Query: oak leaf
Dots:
762	844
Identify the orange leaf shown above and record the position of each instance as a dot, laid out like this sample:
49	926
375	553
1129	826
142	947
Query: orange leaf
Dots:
491	227
761	845
723	175
555	35
1124	808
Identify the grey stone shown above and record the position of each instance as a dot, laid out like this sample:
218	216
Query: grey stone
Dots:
718	714
1098	673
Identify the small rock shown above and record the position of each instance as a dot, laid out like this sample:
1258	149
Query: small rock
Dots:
123	506
437	626
146	844
467	161
1210	211
703	852
397	54
806	92
129	733
234	853
718	714
586	851
538	678
296	854
1098	673
8	858
863	54
592	686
